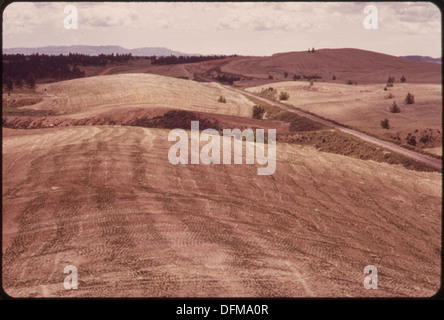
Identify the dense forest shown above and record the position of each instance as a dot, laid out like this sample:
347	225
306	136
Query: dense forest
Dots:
184	59
20	70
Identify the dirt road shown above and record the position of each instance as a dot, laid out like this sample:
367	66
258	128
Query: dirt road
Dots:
435	163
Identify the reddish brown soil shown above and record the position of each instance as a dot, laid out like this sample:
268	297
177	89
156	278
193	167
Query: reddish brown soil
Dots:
106	200
142	117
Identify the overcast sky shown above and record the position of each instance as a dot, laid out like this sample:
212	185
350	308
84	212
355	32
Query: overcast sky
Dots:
227	28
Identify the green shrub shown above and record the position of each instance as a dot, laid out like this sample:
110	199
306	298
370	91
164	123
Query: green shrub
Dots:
221	100
409	98
403	79
385	124
284	95
258	112
394	108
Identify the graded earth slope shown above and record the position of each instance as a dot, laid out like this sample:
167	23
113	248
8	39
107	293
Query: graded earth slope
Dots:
85	97
106	200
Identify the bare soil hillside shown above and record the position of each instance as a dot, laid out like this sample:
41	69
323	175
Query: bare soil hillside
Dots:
106	200
93	95
355	64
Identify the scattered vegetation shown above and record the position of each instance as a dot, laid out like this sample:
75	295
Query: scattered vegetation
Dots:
389	96
350	82
389	85
258	112
307	132
403	79
394	108
226	78
411	139
222	99
311	77
391	79
409	99
297	77
284	95
385	124
285	74
333	78
270	77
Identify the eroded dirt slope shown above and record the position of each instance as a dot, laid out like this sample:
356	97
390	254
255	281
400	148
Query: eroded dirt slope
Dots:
106	200
86	97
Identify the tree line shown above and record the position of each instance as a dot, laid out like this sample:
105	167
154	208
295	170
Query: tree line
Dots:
20	70
165	60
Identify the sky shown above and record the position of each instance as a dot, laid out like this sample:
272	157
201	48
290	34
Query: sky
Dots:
246	28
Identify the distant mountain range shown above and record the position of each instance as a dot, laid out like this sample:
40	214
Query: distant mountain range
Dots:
96	50
423	58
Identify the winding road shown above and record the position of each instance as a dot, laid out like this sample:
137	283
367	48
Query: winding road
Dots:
433	162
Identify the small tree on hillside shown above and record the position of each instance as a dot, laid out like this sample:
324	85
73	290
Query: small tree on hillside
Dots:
9	85
394	108
258	112
385	124
403	79
284	95
390	79
409	98
221	100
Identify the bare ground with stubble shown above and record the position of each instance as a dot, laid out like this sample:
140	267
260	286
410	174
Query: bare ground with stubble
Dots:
106	200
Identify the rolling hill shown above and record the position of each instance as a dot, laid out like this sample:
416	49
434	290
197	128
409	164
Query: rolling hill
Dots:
107	200
346	64
87	187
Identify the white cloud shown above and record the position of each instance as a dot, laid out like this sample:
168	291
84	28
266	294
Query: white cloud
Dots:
231	27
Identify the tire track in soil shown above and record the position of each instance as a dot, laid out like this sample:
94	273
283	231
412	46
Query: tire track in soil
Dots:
14	257
243	258
154	281
109	221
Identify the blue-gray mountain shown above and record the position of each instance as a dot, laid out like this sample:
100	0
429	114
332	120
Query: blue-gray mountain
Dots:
96	50
423	58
